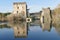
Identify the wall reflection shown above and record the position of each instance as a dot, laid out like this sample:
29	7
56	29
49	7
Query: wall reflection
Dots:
47	26
21	28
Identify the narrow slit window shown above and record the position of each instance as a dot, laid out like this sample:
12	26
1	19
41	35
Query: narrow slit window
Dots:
17	11
17	7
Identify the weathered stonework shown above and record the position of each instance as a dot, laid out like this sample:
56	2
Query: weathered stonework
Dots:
20	9
19	12
46	15
46	18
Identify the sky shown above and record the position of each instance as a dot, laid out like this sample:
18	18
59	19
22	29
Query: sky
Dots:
33	5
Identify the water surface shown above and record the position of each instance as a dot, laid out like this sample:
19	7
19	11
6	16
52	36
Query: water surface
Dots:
29	31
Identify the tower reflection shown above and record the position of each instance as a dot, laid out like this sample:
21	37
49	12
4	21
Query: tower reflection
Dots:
20	29
46	26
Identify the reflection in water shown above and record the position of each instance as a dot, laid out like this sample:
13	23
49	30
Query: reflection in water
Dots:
21	28
4	25
35	23
46	26
57	27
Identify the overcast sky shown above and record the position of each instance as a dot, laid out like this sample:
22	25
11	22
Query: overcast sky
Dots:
33	5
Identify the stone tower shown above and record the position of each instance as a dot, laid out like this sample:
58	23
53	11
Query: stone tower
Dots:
20	8
46	15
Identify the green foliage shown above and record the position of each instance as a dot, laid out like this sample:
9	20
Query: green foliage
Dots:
4	14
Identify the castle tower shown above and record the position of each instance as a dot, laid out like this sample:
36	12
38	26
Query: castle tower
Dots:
20	8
